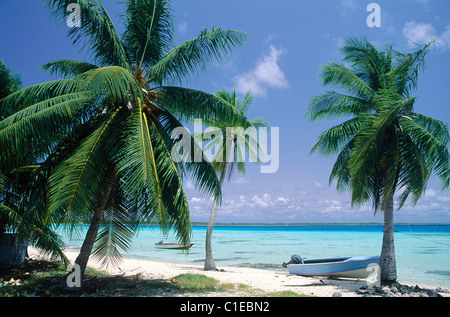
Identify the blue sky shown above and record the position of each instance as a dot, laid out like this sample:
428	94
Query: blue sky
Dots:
290	39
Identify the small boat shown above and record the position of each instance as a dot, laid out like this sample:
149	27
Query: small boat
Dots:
173	246
350	267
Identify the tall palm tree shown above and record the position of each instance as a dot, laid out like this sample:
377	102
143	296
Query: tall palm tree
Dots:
111	122
230	145
385	147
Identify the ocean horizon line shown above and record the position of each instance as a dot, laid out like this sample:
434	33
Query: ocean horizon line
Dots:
287	224
319	224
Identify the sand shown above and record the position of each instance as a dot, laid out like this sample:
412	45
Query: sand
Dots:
268	281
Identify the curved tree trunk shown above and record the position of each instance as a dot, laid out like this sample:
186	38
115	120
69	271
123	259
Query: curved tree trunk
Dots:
388	266
209	259
91	235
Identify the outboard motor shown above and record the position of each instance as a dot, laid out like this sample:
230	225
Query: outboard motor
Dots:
295	259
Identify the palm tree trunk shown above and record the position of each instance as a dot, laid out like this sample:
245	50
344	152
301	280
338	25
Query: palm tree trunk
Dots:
388	266
209	259
91	235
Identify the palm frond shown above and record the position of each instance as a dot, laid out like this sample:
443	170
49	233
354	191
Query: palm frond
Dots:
9	82
49	243
331	105
67	68
405	74
136	165
174	197
189	57
336	138
189	104
115	234
367	62
433	148
247	102
97	32
116	84
48	118
340	76
36	93
149	31
340	172
3	181
74	186
414	171
201	171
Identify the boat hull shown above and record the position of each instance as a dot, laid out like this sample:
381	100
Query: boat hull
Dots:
173	246
353	267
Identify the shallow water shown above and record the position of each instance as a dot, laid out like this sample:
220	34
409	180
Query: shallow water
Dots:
422	251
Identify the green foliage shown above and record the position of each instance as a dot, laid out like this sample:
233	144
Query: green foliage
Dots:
114	116
385	146
9	82
233	140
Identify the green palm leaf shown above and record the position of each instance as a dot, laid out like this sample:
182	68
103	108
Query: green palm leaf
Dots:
28	96
40	120
202	172
340	76
188	57
97	30
115	235
332	104
189	104
149	31
67	68
136	164
74	185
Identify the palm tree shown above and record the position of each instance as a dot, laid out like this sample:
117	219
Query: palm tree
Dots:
385	147
230	151
22	185
110	124
9	83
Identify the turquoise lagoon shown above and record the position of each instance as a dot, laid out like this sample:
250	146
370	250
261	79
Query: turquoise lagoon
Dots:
422	251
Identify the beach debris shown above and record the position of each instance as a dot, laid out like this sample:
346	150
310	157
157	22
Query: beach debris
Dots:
401	290
12	282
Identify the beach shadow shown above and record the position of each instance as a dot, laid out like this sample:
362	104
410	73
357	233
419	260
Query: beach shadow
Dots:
341	285
347	285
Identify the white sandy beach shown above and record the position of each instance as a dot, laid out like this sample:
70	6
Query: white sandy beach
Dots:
265	280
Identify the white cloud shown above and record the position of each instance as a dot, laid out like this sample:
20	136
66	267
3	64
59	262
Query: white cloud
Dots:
430	193
421	33
261	202
444	199
266	74
283	200
347	7
196	200
182	27
242	180
189	185
418	32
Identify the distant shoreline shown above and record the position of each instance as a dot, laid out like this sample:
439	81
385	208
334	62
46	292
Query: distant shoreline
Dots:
316	224
262	224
